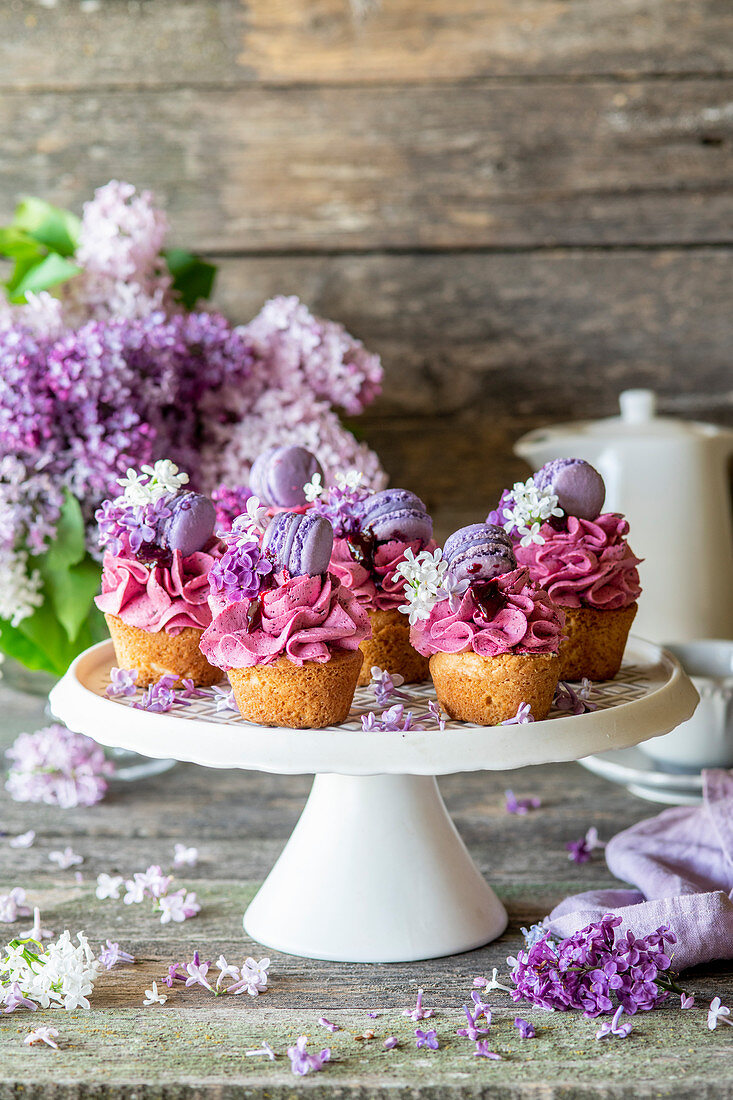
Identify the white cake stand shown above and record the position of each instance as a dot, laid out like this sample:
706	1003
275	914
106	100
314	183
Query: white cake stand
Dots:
375	870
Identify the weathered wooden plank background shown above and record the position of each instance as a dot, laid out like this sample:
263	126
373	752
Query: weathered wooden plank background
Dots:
524	207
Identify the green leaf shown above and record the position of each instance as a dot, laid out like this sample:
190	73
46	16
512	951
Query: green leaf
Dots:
57	229
14	243
70	575
193	278
51	271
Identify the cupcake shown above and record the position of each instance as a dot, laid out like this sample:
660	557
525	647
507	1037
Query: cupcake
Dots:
580	554
375	533
491	635
284	629
159	547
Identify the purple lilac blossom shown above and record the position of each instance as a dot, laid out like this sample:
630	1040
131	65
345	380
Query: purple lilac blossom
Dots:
588	970
390	1043
686	1000
572	701
229	503
426	1039
482	1051
437	714
301	1062
160	696
112	953
581	851
472	1031
522	717
393	720
123	682
418	1012
524	1027
614	1027
58	767
341	509
520	806
239	573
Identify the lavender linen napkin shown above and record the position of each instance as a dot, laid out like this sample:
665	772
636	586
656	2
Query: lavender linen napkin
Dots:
682	865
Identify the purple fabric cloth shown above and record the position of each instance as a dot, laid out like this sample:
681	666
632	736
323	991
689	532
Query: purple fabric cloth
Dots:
682	865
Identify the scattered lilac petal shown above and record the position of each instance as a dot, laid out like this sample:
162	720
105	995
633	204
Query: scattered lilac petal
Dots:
580	851
185	857
614	1027
65	859
426	1039
482	1051
522	806
522	717
327	1024
301	1062
25	840
265	1051
47	1035
717	1014
112	953
524	1027
418	1012
123	682
686	1000
390	1043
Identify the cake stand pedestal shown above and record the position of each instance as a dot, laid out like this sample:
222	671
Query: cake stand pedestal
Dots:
375	870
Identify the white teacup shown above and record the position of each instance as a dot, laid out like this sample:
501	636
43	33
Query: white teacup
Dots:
706	739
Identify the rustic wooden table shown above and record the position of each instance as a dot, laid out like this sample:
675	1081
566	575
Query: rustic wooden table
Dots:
194	1045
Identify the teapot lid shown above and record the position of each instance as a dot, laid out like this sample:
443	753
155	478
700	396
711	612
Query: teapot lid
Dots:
637	420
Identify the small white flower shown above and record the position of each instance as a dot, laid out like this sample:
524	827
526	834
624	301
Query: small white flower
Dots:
172	907
255	516
424	583
65	859
25	840
349	479
226	970
185	857
153	997
253	978
526	509
165	477
108	886
494	983
313	489
135	488
47	1035
20	590
591	839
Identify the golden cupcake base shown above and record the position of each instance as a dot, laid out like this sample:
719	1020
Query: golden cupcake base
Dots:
487	690
156	654
389	648
307	696
595	642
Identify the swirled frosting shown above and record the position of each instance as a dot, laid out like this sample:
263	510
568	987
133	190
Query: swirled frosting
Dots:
505	615
158	597
302	618
589	564
375	585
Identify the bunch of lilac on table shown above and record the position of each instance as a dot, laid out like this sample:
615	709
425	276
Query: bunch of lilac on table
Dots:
61	974
105	364
596	971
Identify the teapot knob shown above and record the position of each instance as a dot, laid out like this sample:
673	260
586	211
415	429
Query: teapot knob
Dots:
637	406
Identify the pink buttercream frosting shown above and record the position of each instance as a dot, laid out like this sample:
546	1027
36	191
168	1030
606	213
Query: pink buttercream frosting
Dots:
158	597
302	618
588	565
517	617
379	588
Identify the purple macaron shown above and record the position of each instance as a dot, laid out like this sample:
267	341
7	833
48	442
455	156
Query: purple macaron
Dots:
578	486
278	475
395	515
479	552
190	524
299	542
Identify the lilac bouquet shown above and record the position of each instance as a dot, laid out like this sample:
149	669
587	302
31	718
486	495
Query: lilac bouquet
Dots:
105	364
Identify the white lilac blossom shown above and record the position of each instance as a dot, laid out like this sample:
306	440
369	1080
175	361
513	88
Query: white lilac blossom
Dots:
185	857
224	699
13	905
36	932
112	953
196	972
436	713
254	518
718	1014
350	480
614	1027
314	488
61	974
686	1000
489	984
47	1035
301	1062
20	588
178	905
522	717
24	840
253	977
57	767
418	1012
153	997
525	508
65	859
108	886
265	1051
423	577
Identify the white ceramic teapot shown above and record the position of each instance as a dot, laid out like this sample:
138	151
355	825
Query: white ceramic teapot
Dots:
671	479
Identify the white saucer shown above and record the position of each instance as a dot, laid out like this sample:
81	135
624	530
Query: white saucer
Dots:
641	776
